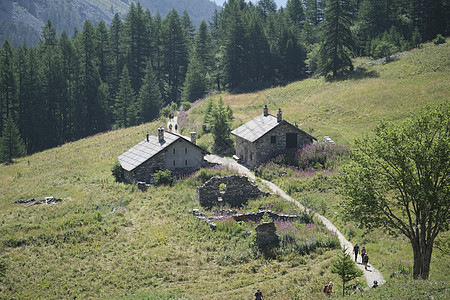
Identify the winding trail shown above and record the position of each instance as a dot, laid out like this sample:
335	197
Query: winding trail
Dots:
370	275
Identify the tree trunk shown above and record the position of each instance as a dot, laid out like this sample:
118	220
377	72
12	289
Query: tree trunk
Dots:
422	259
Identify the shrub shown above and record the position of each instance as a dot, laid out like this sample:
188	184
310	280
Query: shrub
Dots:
117	172
2	269
439	40
185	105
163	177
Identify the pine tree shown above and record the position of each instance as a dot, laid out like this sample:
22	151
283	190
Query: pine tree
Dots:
51	82
150	99
233	33
295	12
204	51
102	50
345	268
195	83
117	52
337	43
137	41
92	116
175	54
126	107
189	28
11	144
221	126
7	82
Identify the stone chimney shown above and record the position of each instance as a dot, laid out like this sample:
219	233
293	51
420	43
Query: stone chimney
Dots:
194	138
279	115
266	111
161	134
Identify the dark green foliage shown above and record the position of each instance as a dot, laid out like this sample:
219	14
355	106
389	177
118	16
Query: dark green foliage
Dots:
195	84
117	172
399	179
150	99
220	126
2	269
345	268
67	88
439	40
163	177
11	144
336	47
126	108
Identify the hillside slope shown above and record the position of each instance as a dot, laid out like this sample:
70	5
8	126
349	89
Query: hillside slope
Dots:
112	240
21	21
351	107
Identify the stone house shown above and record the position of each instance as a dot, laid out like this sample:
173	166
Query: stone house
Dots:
267	136
170	151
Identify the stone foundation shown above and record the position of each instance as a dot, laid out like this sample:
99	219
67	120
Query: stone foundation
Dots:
233	190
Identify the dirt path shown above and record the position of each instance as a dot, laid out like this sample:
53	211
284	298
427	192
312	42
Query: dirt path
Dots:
371	274
172	122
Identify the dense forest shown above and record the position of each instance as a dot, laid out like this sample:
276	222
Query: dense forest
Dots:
103	77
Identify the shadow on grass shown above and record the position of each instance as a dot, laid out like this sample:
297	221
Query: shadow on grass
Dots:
358	74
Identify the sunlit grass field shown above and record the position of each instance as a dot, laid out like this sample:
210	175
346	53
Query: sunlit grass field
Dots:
111	240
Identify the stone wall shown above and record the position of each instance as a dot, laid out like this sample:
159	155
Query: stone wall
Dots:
233	190
257	216
266	234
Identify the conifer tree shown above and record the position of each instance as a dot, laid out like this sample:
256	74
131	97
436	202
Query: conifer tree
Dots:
337	42
175	54
345	268
102	50
7	81
117	52
126	107
221	126
11	144
195	83
150	100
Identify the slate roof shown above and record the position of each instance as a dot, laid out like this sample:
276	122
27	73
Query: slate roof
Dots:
143	151
255	129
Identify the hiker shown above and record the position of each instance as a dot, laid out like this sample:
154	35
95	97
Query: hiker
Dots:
363	251
176	127
258	295
375	284
328	289
356	251
365	260
170	127
356	290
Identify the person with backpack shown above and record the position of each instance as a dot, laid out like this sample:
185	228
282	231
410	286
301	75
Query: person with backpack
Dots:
328	289
258	295
363	251
356	251
365	260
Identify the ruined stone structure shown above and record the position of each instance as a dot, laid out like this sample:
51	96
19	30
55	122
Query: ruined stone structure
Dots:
257	216
165	151
266	136
266	234
233	190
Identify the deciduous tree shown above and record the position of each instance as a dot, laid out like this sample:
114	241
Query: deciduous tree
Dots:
400	180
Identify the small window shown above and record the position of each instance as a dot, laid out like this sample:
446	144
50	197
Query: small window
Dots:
173	150
185	162
174	163
185	150
273	139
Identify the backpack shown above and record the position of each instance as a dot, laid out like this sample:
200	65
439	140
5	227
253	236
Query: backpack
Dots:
363	251
325	288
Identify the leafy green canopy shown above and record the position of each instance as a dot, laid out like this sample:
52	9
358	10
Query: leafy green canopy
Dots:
399	179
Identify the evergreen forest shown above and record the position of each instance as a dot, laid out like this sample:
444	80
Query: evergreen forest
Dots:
106	77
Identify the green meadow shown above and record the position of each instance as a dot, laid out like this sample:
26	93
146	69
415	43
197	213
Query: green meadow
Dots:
112	241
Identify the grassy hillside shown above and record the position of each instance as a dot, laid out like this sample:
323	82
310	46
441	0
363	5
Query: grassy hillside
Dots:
153	248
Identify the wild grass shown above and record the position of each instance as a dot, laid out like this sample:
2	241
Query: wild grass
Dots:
111	240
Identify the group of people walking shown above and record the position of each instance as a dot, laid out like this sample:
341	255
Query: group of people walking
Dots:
364	255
